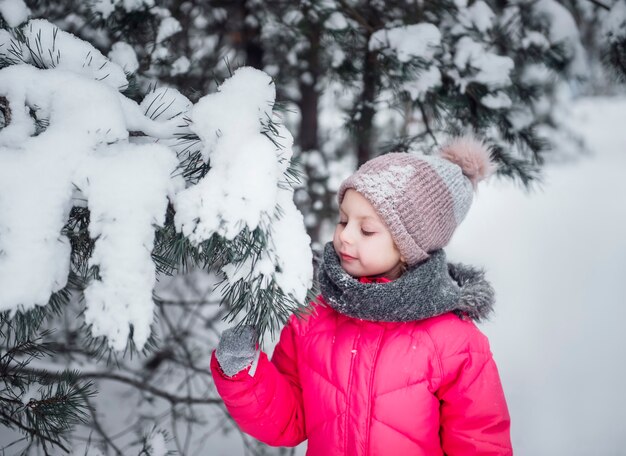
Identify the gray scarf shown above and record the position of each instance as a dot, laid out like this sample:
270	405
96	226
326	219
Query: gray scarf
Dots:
425	290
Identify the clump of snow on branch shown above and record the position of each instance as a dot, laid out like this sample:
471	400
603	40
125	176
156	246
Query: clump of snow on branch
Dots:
85	145
180	66
156	444
67	143
165	104
168	27
563	30
54	48
240	190
499	100
483	66
126	186
336	21
106	7
478	16
288	258
417	41
14	12
125	56
614	24
614	34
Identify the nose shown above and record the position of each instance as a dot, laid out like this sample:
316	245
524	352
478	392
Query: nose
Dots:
345	235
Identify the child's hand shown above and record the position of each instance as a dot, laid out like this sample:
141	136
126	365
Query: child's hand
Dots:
236	349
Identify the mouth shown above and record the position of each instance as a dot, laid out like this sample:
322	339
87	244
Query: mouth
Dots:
346	257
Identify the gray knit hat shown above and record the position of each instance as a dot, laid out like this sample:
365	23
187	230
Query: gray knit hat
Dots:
423	198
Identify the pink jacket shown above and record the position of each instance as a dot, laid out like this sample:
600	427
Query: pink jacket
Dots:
355	387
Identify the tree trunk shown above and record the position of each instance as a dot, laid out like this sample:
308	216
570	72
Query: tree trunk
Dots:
309	95
364	127
251	37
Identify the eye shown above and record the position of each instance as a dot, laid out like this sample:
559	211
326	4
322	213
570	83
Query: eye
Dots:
342	223
367	233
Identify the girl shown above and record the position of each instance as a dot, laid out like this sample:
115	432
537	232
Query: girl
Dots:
389	362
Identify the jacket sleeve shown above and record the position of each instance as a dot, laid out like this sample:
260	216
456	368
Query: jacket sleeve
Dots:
267	405
473	412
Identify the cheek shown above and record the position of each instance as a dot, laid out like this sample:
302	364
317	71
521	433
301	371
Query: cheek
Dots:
387	249
336	241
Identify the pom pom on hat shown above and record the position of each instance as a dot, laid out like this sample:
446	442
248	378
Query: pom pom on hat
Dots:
472	155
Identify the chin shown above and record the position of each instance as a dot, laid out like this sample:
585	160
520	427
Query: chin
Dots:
354	272
359	272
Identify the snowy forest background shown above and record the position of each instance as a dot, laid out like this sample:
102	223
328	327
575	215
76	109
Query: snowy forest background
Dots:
151	153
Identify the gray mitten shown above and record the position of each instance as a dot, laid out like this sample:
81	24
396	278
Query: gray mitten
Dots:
237	349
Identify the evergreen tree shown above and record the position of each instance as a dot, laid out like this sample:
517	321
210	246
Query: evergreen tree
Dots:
179	154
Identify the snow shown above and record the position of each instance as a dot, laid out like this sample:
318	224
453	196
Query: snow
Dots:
169	26
76	55
240	190
14	12
481	16
520	117
290	251
478	17
563	29
106	7
498	100
338	57
162	127
85	146
407	42
164	104
160	53
126	186
489	69
614	24
535	39
32	392
156	444
124	55
537	73
427	80
230	197
336	21
84	158
181	65
292	17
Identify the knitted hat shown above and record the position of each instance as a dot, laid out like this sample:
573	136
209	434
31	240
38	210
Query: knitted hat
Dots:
423	198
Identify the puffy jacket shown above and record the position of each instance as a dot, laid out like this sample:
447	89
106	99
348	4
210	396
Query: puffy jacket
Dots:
356	387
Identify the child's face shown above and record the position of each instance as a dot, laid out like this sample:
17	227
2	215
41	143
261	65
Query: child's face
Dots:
362	240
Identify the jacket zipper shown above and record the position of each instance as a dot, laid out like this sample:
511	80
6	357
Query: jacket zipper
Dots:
349	393
370	389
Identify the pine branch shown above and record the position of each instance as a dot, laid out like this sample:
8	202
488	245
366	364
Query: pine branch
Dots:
426	122
601	5
32	433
